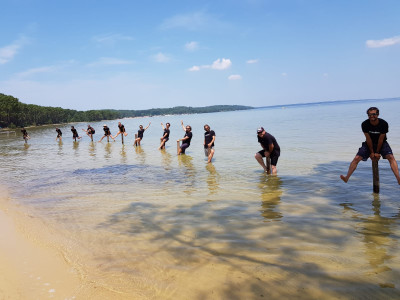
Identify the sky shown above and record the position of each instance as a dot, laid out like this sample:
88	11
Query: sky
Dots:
154	54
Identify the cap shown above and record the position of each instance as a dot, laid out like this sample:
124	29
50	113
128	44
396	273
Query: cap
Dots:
261	129
104	125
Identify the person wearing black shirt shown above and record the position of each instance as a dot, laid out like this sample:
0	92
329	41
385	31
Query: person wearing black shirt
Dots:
121	129
107	133
270	149
25	135
139	135
89	131
186	139
59	134
375	145
75	134
209	139
165	136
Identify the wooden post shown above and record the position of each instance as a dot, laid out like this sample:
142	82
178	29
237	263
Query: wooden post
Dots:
269	164
122	138
108	139
135	144
178	146
375	175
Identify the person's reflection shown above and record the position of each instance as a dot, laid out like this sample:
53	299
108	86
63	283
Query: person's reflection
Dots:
92	149
75	146
212	179
271	192
189	173
60	147
377	232
140	154
107	148
123	154
166	159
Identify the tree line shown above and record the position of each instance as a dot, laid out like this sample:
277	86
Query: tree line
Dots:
14	113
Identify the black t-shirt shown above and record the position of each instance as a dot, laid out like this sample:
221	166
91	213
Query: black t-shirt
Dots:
106	131
267	140
75	134
59	132
121	128
166	131
140	133
90	130
375	131
208	136
24	132
188	134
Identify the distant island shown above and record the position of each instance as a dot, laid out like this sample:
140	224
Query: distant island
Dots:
16	114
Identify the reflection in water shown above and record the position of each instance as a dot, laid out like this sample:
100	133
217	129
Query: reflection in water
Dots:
189	171
212	179
92	149
60	147
271	192
166	159
377	235
123	153
141	155
107	153
75	146
26	146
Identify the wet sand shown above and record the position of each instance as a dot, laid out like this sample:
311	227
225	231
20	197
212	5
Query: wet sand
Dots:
32	268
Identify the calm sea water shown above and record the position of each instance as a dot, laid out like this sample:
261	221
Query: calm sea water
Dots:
149	224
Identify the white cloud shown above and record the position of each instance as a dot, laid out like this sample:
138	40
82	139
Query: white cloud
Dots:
194	69
109	61
192	46
8	52
252	61
235	77
383	43
195	21
219	64
111	38
35	71
161	58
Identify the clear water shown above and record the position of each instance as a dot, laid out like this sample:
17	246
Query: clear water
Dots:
149	224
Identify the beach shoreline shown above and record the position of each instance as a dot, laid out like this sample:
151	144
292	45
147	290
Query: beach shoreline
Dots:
31	267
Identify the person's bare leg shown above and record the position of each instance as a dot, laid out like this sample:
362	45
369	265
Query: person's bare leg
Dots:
274	170
352	168
260	160
210	155
394	166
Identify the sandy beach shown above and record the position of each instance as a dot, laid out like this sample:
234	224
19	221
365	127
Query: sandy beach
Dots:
32	268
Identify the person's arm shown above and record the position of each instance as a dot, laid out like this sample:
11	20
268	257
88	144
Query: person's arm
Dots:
183	126
212	141
369	144
162	126
147	126
379	147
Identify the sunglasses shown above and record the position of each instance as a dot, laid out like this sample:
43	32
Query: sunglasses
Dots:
373	114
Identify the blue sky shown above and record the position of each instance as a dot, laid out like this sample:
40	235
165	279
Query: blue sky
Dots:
146	54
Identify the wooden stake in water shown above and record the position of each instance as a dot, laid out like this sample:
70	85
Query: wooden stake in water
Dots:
375	175
108	139
269	164
178	146
122	138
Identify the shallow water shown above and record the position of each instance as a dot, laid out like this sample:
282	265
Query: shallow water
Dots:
148	224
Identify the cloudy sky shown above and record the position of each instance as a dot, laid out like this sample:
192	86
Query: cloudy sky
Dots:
145	54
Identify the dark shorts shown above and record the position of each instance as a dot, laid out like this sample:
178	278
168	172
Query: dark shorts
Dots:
166	140
274	156
184	147
364	152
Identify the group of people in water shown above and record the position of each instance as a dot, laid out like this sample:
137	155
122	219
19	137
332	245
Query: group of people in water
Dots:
374	147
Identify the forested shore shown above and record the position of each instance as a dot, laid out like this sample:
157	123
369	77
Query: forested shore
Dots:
14	113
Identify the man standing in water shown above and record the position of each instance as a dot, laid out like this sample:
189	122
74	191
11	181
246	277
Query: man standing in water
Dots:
121	129
270	149
209	139
107	133
89	131
375	145
186	139
25	135
75	134
165	136
59	134
140	134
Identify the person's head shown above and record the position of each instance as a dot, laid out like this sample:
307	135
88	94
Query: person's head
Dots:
104	125
206	127
373	112
188	128
140	126
261	131
56	128
72	127
167	125
88	126
119	123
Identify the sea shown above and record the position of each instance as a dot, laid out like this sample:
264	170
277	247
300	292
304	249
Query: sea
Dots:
149	224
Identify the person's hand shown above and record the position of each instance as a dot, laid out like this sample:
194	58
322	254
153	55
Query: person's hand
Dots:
372	156
377	156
